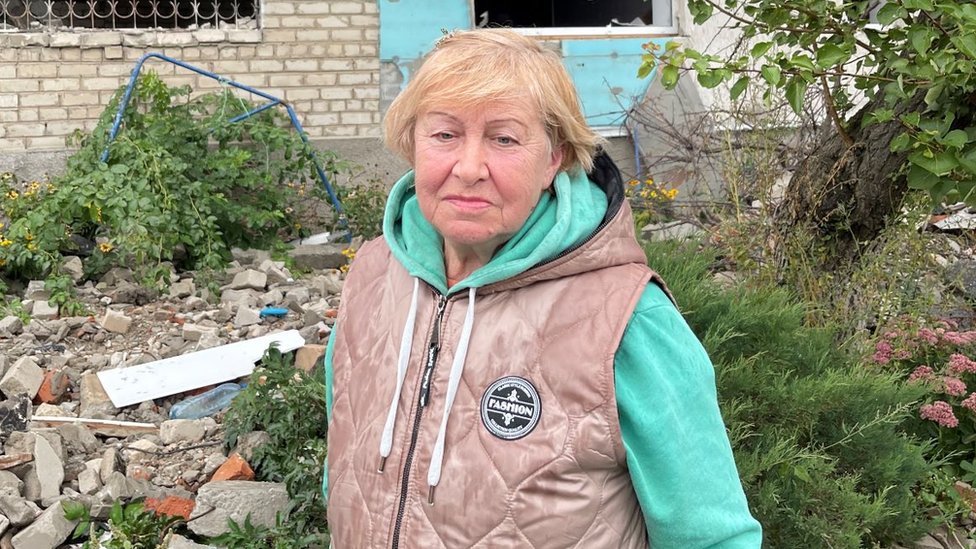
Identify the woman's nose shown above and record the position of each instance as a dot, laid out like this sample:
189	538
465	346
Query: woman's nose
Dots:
471	165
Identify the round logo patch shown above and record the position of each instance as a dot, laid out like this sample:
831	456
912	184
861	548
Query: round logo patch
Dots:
510	408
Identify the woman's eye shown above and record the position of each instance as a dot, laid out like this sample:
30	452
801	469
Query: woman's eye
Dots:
445	136
505	140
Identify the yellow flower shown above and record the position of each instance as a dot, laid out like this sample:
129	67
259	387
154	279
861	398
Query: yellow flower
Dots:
633	182
29	237
12	195
6	242
105	247
298	226
350	253
31	246
34	186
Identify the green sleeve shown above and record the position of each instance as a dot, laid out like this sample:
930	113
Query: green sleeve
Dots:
328	372
328	405
678	452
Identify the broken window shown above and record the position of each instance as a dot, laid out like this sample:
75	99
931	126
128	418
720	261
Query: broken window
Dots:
35	15
573	13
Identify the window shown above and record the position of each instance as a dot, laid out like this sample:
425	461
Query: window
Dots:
24	15
578	17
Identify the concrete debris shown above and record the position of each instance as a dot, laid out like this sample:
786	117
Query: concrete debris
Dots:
64	438
24	377
236	500
44	310
249	280
116	322
318	256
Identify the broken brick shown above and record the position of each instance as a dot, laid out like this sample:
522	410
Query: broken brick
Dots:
52	388
235	468
172	506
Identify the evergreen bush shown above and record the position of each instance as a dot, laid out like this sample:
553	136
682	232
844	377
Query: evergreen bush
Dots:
819	439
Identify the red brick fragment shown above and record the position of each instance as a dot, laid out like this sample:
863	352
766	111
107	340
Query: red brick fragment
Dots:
172	506
52	388
235	468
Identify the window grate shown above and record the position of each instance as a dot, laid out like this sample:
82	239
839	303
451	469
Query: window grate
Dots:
39	15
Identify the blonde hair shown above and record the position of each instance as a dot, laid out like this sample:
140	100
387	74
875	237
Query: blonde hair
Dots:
467	68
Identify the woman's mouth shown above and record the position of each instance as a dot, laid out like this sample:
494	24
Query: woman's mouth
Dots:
467	203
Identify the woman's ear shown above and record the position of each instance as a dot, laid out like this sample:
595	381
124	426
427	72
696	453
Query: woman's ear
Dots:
555	161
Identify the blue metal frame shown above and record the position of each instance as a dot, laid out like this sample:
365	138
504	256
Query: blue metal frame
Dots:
272	102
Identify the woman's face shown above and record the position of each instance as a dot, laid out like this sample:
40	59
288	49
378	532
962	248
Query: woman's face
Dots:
480	171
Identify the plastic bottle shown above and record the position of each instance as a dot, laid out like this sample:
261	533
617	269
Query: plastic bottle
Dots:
205	404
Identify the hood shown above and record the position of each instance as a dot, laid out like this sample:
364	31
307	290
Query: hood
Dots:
560	223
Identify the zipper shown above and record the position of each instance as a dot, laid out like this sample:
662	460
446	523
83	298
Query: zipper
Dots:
433	349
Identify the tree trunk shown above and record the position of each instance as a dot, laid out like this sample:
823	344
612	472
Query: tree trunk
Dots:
846	195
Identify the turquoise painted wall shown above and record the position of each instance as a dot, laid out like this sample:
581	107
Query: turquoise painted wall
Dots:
604	71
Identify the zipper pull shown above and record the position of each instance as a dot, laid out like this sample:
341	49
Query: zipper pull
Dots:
432	350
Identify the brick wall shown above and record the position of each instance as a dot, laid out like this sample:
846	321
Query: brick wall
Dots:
321	56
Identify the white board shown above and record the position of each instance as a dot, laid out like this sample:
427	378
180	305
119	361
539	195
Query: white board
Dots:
135	384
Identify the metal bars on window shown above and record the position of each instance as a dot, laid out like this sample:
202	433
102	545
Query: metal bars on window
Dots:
37	15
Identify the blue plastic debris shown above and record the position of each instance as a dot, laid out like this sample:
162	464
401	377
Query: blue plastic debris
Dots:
205	404
277	312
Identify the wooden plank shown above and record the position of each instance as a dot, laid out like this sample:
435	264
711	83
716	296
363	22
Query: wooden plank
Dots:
106	427
135	384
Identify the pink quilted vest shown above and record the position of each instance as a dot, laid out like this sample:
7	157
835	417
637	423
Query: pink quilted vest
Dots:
533	455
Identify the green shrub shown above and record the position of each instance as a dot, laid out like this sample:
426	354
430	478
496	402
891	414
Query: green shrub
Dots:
289	405
818	437
181	183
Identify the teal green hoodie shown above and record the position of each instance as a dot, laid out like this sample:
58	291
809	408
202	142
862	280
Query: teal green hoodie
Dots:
678	452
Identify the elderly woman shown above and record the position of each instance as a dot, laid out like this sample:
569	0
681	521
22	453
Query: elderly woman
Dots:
506	371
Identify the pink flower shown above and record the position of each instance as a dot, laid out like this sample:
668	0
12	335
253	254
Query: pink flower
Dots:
959	363
902	354
941	413
892	334
953	386
883	347
970	402
955	338
928	335
922	373
881	358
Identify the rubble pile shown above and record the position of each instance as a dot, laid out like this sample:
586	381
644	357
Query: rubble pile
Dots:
63	437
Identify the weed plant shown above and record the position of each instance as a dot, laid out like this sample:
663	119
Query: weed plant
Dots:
180	183
819	439
289	405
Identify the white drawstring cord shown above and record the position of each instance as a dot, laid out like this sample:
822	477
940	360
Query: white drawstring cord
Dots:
406	345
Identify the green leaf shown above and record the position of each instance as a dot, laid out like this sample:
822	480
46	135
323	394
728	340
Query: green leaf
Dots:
669	76
966	44
739	87
921	179
116	515
710	78
830	55
934	93
771	74
900	143
921	38
918	4
803	62
795	91
956	139
760	49
645	69
940	163
890	12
